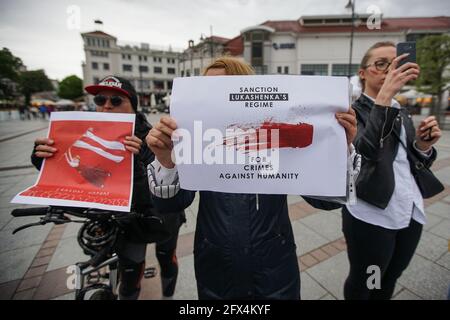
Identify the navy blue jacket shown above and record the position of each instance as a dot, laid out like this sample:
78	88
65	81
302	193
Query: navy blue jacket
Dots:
241	252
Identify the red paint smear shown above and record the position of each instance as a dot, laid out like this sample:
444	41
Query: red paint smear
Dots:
289	136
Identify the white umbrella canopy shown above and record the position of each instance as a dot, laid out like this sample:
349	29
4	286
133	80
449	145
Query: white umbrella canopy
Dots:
356	87
410	94
152	100
65	102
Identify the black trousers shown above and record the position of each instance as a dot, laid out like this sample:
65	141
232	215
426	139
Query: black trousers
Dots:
132	264
371	245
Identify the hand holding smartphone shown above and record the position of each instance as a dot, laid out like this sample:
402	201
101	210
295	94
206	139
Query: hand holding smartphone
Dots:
406	47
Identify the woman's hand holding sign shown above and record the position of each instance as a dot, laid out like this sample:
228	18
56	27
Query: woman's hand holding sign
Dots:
44	147
133	144
348	121
159	140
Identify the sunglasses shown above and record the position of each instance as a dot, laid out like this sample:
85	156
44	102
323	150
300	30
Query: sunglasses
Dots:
381	65
100	100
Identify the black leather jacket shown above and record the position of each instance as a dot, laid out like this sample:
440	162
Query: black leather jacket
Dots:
377	142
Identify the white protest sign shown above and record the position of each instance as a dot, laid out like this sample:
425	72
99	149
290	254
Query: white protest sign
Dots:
261	134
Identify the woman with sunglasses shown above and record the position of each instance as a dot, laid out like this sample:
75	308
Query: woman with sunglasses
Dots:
117	95
383	229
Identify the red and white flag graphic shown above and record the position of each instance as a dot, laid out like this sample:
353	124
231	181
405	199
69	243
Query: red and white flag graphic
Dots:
88	153
91	167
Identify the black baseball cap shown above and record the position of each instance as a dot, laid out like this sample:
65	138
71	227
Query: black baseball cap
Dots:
118	84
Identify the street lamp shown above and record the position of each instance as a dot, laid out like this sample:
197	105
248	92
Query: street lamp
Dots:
351	5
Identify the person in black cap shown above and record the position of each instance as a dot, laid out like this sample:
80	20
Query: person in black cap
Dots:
117	95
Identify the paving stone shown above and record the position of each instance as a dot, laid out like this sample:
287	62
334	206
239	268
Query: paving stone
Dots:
442	229
186	285
8	289
67	253
440	209
406	295
306	239
426	279
432	220
310	289
23	239
328	297
15	263
327	225
431	246
331	274
445	260
443	175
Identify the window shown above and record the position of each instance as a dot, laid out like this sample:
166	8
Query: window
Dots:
286	70
279	69
127	67
169	85
314	69
89	41
158	84
260	69
144	84
171	70
157	59
257	53
188	73
143	69
95	65
170	60
106	66
342	69
182	73
157	69
196	71
96	53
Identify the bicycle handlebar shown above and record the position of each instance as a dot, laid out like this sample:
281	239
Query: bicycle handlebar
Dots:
25	212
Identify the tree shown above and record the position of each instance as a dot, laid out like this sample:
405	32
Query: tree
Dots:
32	82
433	56
10	67
70	88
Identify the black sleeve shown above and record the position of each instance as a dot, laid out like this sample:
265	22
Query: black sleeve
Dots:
378	128
36	161
179	202
322	204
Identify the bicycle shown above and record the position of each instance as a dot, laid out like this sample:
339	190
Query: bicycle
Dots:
97	237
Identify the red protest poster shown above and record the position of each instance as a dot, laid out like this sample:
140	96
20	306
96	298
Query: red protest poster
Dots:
91	167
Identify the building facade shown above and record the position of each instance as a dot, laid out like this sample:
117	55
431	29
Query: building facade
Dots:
311	45
320	45
151	71
198	56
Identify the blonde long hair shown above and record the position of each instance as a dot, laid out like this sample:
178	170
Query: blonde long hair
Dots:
231	65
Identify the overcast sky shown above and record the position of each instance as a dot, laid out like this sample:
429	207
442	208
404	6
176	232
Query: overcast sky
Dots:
45	35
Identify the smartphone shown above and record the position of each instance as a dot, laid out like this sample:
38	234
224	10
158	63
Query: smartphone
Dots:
406	47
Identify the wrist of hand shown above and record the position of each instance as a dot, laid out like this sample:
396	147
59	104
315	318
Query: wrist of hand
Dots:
422	147
166	163
383	99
